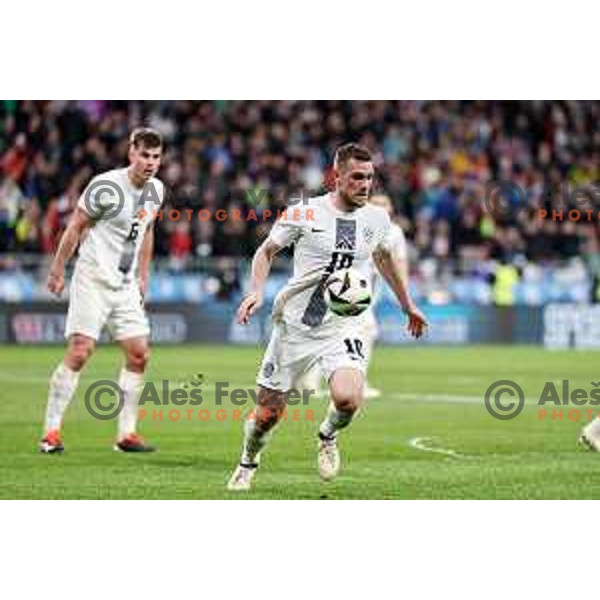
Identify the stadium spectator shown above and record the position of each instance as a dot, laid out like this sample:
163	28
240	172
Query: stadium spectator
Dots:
434	160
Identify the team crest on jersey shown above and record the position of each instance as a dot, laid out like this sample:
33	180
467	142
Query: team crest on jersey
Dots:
368	234
345	234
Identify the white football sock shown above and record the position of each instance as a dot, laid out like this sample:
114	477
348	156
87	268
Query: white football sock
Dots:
63	384
334	421
131	384
254	442
593	428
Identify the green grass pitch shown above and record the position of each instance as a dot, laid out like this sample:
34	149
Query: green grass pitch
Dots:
432	394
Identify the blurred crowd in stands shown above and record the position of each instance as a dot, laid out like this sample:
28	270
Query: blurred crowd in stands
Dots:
434	159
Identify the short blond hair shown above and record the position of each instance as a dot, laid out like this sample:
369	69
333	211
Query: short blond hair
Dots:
351	151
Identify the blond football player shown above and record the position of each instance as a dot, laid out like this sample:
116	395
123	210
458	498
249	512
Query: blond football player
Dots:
334	231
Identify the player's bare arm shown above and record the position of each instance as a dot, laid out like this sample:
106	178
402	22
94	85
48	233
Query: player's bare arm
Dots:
69	241
395	271
261	267
146	252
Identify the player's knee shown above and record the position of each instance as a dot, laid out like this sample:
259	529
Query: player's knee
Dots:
78	354
347	401
347	396
270	410
137	359
348	405
77	359
267	419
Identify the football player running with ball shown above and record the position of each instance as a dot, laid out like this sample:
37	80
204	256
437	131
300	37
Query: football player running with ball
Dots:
335	231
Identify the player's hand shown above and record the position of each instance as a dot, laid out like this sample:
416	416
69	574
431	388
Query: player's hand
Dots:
417	323
56	281
249	305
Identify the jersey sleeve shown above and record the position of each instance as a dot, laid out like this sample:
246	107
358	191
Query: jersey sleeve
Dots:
396	242
98	197
385	232
392	239
286	231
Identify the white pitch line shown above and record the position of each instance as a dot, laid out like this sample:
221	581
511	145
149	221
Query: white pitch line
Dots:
450	398
445	398
419	443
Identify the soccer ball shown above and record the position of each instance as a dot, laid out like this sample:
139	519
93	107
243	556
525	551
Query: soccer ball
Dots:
348	292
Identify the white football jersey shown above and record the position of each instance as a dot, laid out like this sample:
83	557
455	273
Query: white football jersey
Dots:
121	214
325	240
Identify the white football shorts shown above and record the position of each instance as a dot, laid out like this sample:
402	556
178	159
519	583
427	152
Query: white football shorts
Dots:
93	304
291	352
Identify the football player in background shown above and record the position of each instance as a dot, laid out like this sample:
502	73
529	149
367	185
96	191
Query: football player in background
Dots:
113	226
398	248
